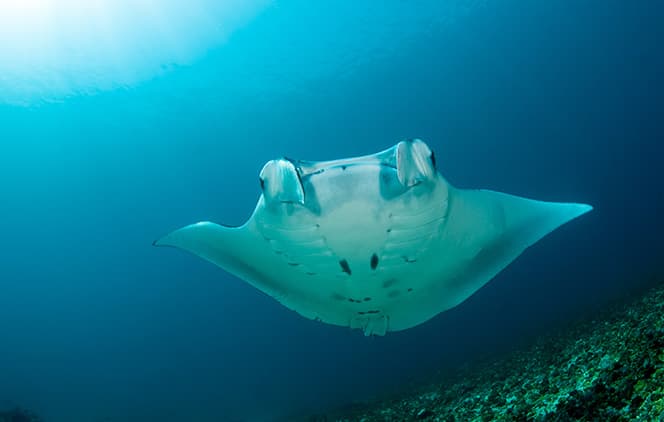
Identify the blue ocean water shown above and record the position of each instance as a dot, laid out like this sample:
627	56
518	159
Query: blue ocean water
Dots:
553	100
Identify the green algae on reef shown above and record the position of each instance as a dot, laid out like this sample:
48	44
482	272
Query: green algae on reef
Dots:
609	369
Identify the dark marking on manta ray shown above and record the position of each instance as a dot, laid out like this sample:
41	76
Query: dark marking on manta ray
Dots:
389	230
293	264
350	299
262	183
343	167
373	312
345	267
366	299
310	273
410	289
361	313
337	296
394	293
374	261
389	283
409	260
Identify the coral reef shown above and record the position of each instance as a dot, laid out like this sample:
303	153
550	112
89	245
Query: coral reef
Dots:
609	369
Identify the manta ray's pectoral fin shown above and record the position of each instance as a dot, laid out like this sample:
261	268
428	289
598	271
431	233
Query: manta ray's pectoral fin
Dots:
232	248
494	228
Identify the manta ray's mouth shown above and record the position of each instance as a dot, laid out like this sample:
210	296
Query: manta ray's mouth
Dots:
281	180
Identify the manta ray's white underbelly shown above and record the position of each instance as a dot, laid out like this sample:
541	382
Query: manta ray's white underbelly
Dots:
358	264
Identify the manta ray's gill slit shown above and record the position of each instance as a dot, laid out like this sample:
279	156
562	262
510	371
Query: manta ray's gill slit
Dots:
311	240
432	210
372	311
408	226
393	242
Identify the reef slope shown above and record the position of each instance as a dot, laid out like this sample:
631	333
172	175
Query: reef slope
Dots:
609	368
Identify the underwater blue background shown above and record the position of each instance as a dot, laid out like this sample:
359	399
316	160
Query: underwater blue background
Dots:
553	100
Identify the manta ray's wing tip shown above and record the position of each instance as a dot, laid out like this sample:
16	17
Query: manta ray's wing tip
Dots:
158	242
172	239
563	212
161	242
582	209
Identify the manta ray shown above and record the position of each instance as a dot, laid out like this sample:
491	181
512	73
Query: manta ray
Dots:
380	242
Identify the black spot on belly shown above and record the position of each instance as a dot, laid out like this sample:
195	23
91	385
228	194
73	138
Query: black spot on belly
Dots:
337	296
293	264
374	261
409	260
366	299
373	312
410	289
390	282
344	266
